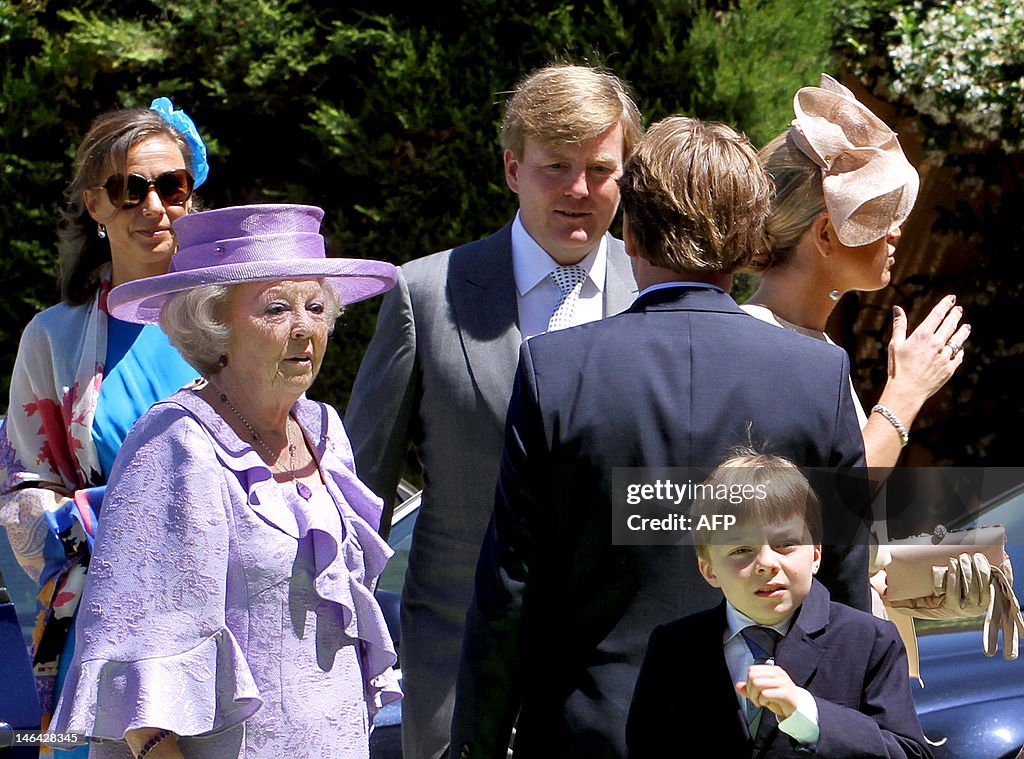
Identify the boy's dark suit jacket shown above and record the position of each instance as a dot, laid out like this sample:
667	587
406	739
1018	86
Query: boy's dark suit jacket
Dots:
853	664
561	615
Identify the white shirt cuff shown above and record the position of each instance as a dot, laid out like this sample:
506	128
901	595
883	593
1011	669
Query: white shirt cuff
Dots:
802	725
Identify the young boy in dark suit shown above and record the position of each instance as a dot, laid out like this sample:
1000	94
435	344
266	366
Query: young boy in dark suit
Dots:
777	670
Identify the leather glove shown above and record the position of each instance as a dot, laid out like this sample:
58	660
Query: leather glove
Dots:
1003	614
968	585
963	589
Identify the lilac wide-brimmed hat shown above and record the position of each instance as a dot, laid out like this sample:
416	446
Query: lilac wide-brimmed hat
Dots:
870	187
231	246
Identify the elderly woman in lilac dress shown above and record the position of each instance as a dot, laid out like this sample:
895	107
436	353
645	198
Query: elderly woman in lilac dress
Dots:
229	609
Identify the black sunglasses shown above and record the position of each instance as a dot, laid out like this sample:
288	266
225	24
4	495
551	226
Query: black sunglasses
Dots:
173	187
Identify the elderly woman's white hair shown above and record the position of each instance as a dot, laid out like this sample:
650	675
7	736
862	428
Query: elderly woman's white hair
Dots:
194	323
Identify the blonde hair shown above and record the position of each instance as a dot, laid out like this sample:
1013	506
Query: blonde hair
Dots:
564	104
695	196
799	199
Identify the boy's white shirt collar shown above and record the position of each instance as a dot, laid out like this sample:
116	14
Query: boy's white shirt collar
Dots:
737	621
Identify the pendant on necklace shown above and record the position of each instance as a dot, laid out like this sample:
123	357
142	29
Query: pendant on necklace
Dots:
303	489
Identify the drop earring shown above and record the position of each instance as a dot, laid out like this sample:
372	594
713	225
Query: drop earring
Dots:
101	231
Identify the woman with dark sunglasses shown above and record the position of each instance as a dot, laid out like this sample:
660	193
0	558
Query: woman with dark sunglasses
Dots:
82	377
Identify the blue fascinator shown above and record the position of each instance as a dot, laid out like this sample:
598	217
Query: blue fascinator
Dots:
181	121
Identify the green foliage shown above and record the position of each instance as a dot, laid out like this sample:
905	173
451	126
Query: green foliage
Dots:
30	127
386	116
750	61
125	40
976	417
958	63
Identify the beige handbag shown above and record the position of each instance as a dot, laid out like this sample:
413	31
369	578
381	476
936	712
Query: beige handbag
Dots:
955	575
918	572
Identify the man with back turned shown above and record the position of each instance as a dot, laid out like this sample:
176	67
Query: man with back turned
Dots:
560	616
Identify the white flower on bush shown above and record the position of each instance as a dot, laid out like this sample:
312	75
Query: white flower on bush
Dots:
953	62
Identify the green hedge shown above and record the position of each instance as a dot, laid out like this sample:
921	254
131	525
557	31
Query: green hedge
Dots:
387	118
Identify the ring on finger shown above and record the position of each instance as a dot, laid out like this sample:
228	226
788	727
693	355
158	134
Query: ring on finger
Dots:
954	348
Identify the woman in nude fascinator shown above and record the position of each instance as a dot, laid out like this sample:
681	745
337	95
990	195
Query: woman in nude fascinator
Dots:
844	188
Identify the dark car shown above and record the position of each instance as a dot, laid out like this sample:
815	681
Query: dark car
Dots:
19	707
386	737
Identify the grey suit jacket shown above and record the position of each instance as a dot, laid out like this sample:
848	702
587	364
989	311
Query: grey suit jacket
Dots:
438	373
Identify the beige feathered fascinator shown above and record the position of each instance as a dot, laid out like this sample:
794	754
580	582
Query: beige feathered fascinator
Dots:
869	185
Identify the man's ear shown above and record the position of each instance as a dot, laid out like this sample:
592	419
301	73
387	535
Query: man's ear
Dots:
708	571
512	171
817	559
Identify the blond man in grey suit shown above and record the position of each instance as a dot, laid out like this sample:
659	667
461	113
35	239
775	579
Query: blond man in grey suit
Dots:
438	372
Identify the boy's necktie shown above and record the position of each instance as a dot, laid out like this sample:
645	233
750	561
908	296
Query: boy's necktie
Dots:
761	641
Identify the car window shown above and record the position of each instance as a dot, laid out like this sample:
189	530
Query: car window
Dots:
18	587
400	539
1009	513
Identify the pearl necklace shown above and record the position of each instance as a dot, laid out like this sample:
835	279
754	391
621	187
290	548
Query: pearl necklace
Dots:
300	487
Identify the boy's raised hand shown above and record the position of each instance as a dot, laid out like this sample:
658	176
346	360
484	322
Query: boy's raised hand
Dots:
769	685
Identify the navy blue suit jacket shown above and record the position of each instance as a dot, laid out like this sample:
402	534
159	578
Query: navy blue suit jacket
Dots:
853	664
560	616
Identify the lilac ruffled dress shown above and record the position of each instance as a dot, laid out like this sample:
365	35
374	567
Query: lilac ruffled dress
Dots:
224	606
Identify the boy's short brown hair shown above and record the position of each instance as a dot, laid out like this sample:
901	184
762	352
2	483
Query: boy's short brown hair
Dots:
696	197
771	490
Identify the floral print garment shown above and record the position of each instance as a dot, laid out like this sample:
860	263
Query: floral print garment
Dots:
46	454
